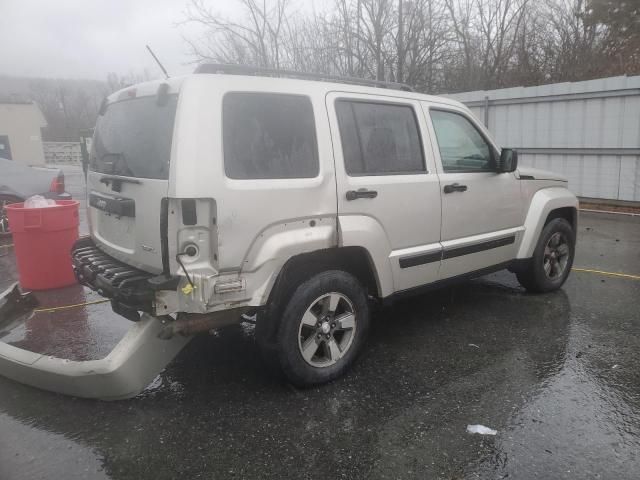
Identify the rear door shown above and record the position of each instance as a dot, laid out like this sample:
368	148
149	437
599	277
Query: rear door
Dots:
129	177
388	190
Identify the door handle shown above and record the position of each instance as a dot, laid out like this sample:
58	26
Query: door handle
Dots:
455	187
361	193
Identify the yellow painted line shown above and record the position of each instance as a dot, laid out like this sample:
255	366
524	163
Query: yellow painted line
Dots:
96	302
65	307
610	274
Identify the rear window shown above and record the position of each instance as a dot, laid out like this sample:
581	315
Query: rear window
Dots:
133	138
269	136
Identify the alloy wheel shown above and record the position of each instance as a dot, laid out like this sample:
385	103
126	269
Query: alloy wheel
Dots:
327	330
556	256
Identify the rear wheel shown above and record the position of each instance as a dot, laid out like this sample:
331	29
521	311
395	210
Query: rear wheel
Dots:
323	328
4	220
552	259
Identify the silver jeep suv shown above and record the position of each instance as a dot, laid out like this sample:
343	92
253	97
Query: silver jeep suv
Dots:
231	192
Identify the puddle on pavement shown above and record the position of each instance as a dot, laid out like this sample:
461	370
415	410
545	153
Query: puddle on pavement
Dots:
537	368
557	375
27	444
82	333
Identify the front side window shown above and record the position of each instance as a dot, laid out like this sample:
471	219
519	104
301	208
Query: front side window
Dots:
269	136
462	147
379	138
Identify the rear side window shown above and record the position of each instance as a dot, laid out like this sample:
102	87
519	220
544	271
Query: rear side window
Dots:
379	138
269	136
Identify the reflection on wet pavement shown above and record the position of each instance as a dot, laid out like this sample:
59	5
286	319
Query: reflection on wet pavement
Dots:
539	369
77	333
30	443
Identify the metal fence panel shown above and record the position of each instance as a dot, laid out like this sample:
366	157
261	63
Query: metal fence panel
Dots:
588	131
62	152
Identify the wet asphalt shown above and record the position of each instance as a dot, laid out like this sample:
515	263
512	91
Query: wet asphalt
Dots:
556	375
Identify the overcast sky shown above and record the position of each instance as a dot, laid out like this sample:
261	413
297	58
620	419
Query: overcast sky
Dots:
90	38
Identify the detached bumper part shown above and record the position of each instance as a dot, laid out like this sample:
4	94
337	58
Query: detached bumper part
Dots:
134	362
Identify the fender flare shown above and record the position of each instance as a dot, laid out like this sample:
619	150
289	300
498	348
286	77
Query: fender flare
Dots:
542	204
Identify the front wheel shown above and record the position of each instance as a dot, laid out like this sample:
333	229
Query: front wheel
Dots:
323	328
552	259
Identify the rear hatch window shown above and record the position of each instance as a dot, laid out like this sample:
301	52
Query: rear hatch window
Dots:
133	138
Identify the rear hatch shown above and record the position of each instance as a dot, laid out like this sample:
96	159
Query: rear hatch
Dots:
128	177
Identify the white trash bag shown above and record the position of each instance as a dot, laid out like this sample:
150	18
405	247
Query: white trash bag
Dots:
481	429
38	201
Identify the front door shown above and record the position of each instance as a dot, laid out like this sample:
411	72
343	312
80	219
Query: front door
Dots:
387	185
482	219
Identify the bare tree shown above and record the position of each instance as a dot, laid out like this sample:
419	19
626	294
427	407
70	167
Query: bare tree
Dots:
400	40
68	105
422	41
486	33
573	44
258	39
434	45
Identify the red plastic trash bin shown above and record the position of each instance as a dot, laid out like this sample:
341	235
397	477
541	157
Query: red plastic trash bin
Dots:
42	239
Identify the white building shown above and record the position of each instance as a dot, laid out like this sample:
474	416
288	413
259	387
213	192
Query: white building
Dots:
20	134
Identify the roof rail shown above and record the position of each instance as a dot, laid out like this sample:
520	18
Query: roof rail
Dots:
222	68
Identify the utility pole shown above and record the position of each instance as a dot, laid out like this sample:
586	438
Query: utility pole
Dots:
400	44
358	15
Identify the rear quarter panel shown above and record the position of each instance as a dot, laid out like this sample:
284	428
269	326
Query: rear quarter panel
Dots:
259	220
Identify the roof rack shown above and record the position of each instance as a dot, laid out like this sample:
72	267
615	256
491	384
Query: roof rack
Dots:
222	68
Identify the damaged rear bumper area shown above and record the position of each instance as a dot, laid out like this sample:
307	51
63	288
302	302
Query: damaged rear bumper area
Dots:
151	342
133	363
129	289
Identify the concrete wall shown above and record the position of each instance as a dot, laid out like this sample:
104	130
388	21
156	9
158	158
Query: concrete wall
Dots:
589	131
22	122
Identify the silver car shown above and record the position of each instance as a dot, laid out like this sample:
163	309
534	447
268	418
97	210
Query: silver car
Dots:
19	182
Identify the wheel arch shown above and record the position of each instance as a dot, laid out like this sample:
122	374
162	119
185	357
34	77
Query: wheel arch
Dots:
547	204
299	268
570	214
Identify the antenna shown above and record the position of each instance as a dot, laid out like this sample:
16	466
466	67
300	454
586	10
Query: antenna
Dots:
164	70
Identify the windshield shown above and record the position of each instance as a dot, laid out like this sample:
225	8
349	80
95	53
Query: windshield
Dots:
133	138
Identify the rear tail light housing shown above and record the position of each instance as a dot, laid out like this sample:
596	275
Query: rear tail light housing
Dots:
57	184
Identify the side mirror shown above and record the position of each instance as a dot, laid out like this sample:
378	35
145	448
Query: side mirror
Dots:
508	160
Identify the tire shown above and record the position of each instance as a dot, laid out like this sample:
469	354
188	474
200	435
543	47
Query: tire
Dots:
552	259
323	328
5	229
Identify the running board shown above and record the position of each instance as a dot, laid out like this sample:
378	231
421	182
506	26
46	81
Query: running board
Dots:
132	365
